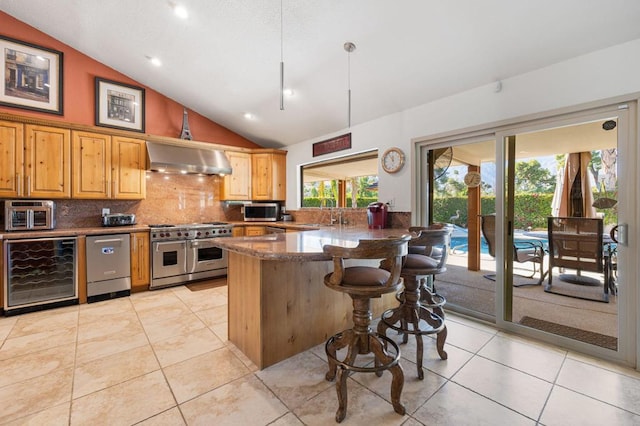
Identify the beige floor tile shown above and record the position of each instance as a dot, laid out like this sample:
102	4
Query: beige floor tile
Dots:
468	338
124	404
246	401
297	379
364	407
222	331
6	325
566	407
214	316
196	376
173	326
454	405
171	417
39	393
100	311
149	300
110	344
114	324
288	419
113	369
516	390
525	357
175	309
607	365
58	415
179	348
613	388
415	391
36	364
201	300
30	343
43	322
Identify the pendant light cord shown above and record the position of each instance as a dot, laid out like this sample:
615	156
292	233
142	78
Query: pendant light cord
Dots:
281	59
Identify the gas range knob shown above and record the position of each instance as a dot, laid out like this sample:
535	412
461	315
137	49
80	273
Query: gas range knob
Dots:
206	233
199	233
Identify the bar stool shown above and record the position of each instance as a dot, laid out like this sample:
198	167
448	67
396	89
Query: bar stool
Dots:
362	283
420	311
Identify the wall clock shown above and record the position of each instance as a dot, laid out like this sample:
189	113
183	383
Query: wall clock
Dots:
472	179
392	160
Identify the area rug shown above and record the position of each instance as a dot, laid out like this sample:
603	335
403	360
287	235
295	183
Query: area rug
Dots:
205	285
579	291
590	337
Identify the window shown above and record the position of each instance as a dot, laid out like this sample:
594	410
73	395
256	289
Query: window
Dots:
341	182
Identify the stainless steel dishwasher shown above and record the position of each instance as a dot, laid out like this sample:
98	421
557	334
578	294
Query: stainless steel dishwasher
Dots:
108	267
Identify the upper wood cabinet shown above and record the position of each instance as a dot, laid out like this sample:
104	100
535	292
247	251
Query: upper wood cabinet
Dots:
11	159
237	185
91	165
269	176
128	163
35	161
107	166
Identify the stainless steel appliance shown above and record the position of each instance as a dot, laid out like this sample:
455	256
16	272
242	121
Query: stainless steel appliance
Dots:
182	253
108	267
40	273
262	212
119	219
26	215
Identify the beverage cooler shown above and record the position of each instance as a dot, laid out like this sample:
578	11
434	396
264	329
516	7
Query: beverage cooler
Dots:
40	273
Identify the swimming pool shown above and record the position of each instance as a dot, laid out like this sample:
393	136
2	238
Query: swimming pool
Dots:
460	241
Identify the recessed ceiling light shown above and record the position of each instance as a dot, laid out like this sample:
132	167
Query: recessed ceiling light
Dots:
155	61
180	11
288	92
248	115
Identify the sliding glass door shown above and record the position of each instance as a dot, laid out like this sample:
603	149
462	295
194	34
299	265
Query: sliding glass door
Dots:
558	231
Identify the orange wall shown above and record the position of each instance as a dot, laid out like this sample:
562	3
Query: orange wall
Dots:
163	115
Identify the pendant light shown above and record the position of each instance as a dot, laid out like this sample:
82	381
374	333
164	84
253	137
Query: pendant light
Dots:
281	61
349	47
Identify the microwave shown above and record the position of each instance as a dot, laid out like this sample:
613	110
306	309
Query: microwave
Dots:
262	212
27	215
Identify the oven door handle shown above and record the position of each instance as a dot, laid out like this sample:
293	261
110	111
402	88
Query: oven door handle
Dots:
168	243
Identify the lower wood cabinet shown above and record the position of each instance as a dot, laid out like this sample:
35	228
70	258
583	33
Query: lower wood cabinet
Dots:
250	231
140	265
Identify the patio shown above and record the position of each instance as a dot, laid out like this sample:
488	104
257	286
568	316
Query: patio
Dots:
585	320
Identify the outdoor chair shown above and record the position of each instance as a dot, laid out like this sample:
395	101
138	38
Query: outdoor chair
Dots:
523	251
578	243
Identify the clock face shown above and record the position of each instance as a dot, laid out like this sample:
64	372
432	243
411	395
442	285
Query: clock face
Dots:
472	179
392	160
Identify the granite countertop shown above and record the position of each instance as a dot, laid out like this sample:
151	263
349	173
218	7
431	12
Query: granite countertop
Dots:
302	246
73	232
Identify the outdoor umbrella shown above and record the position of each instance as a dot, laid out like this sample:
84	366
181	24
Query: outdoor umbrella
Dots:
573	196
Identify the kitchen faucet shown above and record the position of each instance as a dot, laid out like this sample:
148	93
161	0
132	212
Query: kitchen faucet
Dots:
331	203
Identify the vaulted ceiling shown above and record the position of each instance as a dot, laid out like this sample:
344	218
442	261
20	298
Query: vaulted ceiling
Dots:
224	59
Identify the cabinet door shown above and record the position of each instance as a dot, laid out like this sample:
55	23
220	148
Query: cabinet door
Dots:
140	266
91	165
279	177
237	185
238	231
47	162
128	161
11	159
250	231
261	174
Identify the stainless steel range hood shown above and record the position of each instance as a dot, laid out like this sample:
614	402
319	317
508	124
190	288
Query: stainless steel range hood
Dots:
183	159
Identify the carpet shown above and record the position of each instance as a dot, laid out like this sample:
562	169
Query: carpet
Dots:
205	285
579	291
590	337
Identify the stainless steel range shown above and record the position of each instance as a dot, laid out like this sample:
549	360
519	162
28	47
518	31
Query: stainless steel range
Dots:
182	253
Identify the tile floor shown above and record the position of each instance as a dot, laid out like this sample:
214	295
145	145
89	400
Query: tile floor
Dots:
162	358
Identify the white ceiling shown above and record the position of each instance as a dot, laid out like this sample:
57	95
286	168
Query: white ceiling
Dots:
224	60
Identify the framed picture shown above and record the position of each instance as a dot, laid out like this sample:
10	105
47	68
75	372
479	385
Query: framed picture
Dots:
119	106
31	76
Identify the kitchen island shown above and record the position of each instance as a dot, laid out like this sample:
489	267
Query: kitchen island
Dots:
278	303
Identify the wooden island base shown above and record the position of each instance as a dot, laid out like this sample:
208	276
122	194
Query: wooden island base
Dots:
279	308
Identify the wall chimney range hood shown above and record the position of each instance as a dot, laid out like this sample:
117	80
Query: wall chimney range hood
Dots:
183	159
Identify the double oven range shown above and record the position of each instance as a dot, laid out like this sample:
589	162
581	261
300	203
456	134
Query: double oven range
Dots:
182	253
